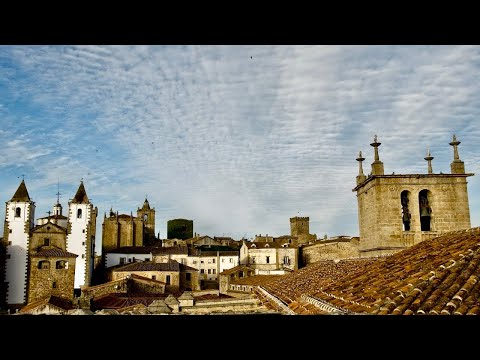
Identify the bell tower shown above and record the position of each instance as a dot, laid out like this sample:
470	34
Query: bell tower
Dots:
19	220
147	215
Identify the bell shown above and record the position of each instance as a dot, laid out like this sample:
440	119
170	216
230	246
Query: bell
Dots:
424	211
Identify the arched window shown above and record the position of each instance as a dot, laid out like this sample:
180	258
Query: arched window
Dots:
425	210
60	264
145	217
79	213
44	264
18	212
406	215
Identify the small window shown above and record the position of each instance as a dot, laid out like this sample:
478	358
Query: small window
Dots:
79	213
10	231
60	264
202	271
231	260
240	274
18	212
83	231
44	264
194	261
46	242
154	277
188	276
223	260
129	260
268	259
54	285
201	261
134	259
145	217
83	243
147	259
209	271
213	271
213	261
123	260
83	256
253	259
168	280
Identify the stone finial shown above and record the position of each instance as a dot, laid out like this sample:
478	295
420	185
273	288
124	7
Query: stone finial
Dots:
360	176
429	159
455	144
457	166
377	165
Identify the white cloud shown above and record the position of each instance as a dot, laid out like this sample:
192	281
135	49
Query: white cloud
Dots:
236	138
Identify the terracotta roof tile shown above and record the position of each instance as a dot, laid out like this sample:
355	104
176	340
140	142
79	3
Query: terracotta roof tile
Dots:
150	266
52	253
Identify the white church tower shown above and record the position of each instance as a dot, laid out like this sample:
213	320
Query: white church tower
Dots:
19	220
82	217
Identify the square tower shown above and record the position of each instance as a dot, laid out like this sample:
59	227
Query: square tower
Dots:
398	211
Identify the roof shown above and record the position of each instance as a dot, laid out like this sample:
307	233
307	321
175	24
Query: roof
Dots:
436	276
236	268
119	301
54	217
54	300
255	280
132	250
21	194
150	266
170	250
81	195
56	226
186	295
171	300
53	253
262	245
184	267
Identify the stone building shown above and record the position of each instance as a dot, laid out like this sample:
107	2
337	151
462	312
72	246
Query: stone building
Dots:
300	228
51	268
269	257
122	230
398	211
43	260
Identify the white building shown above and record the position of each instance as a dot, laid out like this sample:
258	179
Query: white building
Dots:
82	218
19	220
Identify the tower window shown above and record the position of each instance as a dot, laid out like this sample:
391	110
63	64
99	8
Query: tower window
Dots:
18	212
268	259
79	213
46	242
44	264
54	285
60	264
168	280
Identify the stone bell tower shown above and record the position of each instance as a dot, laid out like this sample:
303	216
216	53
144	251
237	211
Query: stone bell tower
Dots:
398	211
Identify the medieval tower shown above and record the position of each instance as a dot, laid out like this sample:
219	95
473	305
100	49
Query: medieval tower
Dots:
82	219
147	215
398	211
300	228
19	220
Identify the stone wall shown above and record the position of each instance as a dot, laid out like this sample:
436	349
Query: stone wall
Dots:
159	276
41	280
380	209
330	250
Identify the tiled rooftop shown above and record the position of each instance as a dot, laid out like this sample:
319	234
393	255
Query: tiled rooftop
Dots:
132	250
170	250
52	253
437	276
150	266
52	299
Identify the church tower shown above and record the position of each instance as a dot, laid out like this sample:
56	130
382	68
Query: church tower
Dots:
81	228
19	220
147	215
400	210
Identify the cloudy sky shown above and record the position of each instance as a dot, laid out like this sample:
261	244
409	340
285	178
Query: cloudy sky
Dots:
236	138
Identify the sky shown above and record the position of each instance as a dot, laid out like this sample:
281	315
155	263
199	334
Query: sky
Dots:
237	138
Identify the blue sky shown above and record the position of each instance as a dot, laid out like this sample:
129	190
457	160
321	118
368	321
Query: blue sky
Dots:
236	138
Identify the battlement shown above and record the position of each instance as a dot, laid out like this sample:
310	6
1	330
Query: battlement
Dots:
299	218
